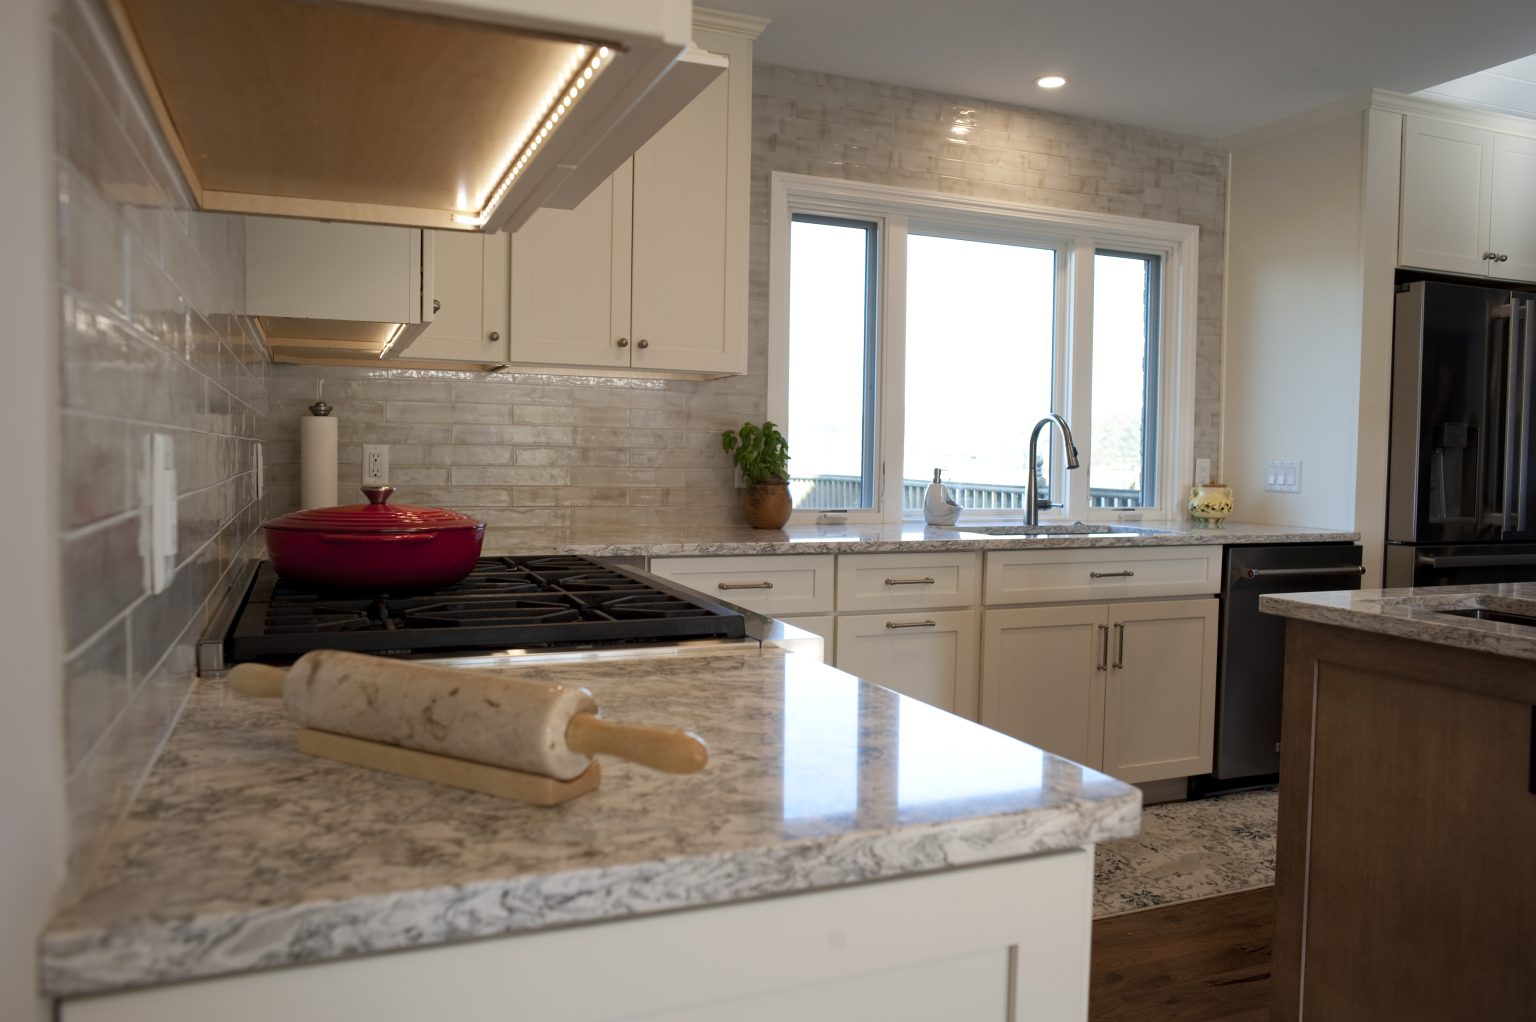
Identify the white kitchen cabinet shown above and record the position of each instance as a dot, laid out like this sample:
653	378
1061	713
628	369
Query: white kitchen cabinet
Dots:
824	625
890	582
1468	200
1000	940
782	585
469	301
650	271
928	654
1101	573
1127	688
340	291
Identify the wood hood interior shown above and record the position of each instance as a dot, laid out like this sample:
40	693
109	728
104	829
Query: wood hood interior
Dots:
346	111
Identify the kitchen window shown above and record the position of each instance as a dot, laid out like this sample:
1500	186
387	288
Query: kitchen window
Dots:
912	331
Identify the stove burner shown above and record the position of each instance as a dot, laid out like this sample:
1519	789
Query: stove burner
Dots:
504	603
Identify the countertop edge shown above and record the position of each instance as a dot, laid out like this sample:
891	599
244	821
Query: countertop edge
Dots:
84	962
1401	613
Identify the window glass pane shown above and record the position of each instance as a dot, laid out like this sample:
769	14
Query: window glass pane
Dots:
1124	442
979	343
831	362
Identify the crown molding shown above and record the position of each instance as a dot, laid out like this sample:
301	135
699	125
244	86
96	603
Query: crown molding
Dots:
1389	102
712	20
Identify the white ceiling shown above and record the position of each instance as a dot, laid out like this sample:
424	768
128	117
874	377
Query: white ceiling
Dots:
1506	89
1201	67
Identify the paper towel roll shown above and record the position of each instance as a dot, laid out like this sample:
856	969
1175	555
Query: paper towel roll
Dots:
317	461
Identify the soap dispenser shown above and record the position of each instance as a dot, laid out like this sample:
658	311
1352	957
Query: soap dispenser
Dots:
939	505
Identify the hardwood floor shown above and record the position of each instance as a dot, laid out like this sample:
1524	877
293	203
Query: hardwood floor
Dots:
1200	961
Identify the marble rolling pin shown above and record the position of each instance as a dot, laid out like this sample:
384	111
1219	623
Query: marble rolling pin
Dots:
420	720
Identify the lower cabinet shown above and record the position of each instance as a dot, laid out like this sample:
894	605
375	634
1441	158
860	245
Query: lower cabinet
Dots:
823	625
1127	688
927	654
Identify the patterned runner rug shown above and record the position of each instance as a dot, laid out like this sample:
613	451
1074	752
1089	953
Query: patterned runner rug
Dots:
1187	851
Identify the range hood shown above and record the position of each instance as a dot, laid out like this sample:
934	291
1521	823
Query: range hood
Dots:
448	114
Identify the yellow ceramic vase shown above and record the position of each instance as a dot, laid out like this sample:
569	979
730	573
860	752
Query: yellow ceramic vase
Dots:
1210	502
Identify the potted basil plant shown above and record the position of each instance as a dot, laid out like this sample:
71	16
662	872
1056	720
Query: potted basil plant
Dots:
762	456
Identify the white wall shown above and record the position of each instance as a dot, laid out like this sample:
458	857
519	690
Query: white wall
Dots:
1292	361
31	728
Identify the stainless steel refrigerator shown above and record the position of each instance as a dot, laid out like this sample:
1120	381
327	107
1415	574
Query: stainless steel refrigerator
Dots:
1462	468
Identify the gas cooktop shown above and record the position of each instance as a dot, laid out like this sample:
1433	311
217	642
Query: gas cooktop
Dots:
505	603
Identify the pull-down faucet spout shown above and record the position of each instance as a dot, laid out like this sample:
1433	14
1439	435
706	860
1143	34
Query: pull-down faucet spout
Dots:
1032	491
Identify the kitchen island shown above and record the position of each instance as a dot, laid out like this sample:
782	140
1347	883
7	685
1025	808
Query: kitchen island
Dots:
1404	887
666	896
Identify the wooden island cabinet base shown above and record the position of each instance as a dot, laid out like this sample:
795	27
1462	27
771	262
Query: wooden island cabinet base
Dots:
1406	859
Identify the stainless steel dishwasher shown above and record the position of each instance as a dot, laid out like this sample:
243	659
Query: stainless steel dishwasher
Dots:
1252	652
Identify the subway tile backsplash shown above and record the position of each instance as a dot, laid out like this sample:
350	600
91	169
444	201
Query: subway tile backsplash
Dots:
151	342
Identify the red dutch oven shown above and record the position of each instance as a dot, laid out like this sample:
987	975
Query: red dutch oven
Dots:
375	545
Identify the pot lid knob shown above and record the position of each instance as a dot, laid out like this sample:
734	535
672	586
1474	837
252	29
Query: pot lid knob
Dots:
378	494
319	408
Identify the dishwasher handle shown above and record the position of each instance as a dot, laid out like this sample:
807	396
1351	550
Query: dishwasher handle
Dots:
1354	569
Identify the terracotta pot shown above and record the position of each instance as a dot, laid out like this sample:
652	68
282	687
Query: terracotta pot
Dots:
375	546
767	505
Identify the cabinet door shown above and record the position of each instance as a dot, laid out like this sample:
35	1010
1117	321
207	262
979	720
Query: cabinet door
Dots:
1512	231
469	284
1160	704
1447	178
310	269
570	272
1042	677
928	655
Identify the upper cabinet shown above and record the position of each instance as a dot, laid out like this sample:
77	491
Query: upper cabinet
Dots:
451	114
1468	200
649	272
469	302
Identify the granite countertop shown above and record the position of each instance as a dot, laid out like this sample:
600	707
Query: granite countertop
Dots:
914	537
1419	614
240	853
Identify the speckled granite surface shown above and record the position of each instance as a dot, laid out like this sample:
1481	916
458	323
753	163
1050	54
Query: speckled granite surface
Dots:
1419	614
240	853
909	538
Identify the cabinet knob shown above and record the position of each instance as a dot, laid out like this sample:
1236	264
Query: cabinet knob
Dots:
437	306
644	343
623	342
1491	255
495	335
1502	257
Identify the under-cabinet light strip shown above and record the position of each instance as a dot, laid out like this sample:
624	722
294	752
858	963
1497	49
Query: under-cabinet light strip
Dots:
587	67
393	337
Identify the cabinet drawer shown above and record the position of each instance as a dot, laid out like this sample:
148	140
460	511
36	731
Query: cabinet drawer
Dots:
776	584
898	581
1114	573
929	655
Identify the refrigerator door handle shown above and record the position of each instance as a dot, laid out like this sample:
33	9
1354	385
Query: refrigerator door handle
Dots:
1528	355
1511	419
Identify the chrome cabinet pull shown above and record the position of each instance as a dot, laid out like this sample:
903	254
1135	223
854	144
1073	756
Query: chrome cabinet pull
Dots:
909	581
1491	255
437	306
930	623
744	585
1103	664
644	343
623	342
1119	663
495	335
1111	574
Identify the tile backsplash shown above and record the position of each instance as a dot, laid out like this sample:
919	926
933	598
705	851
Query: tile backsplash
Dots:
151	343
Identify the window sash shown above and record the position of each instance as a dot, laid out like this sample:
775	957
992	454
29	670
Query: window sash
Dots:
1078	235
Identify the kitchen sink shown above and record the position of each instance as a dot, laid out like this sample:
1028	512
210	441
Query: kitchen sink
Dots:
1489	614
1039	531
1509	610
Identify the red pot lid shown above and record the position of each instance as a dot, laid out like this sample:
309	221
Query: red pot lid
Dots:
376	516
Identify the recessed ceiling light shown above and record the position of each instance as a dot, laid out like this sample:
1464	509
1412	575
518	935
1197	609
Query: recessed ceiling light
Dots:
1051	81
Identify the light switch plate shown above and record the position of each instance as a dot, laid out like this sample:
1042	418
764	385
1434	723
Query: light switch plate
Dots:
1282	476
160	510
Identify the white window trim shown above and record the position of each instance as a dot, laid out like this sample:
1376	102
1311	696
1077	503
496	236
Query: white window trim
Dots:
895	207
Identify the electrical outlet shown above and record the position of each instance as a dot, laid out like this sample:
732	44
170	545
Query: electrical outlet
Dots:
375	464
159	489
1202	471
1282	476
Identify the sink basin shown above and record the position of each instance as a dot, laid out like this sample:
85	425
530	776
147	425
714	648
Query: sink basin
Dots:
1508	610
1039	531
1489	614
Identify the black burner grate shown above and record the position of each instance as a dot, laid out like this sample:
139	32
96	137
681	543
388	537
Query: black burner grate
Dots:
504	603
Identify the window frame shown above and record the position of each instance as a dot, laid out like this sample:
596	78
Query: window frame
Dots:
1078	235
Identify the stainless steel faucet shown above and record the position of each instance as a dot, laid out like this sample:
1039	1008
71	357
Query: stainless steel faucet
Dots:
1032	492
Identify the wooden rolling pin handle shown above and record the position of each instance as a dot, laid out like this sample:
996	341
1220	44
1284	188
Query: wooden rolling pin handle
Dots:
660	748
257	680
